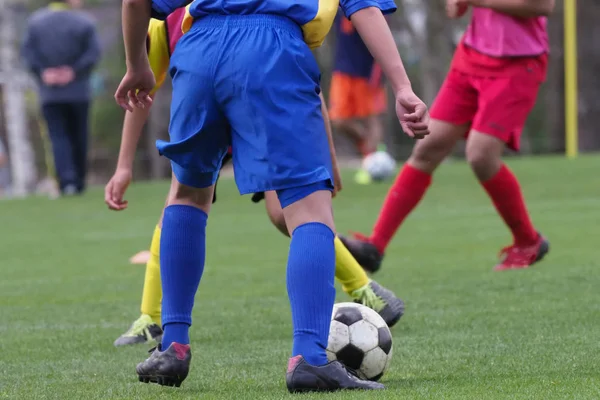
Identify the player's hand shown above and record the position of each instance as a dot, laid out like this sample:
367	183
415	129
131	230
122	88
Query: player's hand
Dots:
115	190
50	76
412	114
135	88
456	8
66	75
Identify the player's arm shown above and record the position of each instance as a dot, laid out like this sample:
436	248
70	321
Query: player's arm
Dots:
372	27
337	176
133	125
157	47
518	8
136	19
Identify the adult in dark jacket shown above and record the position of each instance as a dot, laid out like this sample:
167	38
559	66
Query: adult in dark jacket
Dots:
61	48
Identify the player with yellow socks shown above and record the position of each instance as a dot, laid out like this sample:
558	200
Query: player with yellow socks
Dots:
162	37
348	272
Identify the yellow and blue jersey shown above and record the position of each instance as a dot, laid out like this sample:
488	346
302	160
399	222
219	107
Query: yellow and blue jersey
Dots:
315	17
162	39
159	55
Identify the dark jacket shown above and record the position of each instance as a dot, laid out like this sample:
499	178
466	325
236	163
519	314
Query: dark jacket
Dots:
61	36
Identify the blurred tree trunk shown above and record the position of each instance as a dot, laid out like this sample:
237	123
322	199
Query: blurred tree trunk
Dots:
588	68
555	99
15	112
436	48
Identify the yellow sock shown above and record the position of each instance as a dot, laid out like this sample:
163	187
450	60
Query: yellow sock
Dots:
347	270
152	293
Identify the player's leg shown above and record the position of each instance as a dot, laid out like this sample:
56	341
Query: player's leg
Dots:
148	326
199	138
499	122
348	272
79	127
363	290
372	104
279	143
342	108
451	113
182	256
374	129
375	108
275	212
62	149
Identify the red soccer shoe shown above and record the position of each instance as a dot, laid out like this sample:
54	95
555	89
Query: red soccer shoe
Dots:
514	257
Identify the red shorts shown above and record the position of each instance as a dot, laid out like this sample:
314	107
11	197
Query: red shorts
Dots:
355	97
494	104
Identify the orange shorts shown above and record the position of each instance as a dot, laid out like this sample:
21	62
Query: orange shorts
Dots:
497	106
354	97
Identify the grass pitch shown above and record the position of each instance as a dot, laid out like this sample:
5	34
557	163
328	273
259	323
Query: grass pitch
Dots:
67	291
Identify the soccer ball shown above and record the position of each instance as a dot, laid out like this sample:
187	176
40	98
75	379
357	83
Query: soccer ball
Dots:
360	339
379	165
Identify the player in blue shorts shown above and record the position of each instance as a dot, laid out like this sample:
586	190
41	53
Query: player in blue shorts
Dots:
244	75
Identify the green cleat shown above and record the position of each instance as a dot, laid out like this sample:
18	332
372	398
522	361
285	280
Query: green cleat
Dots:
382	300
143	330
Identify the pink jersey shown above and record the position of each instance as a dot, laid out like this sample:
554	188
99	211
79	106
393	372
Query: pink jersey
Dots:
175	22
500	35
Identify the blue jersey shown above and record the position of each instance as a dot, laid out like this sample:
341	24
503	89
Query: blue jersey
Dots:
351	54
315	17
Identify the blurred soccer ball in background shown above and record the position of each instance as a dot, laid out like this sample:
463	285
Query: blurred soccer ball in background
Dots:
380	165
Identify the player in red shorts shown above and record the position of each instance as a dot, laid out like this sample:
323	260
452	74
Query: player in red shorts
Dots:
488	93
357	97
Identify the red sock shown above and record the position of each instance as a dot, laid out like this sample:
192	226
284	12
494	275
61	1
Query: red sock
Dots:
402	198
505	192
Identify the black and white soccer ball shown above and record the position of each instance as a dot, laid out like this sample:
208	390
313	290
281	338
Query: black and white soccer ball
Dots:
380	165
360	339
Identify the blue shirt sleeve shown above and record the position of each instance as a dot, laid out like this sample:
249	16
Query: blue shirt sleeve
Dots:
162	8
351	6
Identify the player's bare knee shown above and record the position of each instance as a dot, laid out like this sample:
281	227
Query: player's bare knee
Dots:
427	156
484	154
429	152
278	220
483	163
316	207
275	212
191	196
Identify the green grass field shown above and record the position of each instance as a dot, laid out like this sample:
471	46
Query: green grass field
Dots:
67	291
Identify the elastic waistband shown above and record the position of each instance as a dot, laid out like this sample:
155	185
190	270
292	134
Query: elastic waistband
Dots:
249	21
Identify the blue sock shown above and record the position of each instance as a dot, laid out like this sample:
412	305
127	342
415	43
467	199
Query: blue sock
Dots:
310	273
182	252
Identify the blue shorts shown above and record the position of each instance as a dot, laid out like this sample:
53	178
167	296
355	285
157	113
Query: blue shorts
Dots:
249	81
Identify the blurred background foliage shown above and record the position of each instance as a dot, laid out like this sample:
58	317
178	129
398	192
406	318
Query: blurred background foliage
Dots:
426	39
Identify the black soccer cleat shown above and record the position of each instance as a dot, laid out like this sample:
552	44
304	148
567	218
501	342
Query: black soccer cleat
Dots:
364	252
303	377
382	300
167	368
